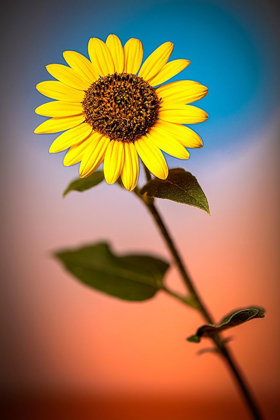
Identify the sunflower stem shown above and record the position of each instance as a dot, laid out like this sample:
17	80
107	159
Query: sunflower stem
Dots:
195	301
186	300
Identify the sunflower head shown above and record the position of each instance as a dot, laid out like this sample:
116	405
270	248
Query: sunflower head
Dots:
121	106
114	110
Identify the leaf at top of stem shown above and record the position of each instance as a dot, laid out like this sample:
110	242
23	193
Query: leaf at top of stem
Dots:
83	184
180	186
232	320
128	277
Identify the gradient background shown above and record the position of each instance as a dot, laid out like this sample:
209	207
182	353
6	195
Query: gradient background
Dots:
69	352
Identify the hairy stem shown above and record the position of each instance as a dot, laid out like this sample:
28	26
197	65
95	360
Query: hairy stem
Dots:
198	304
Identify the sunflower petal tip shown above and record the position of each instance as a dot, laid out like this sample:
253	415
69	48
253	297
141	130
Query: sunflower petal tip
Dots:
82	171
188	62
109	181
129	186
39	130
164	175
171	45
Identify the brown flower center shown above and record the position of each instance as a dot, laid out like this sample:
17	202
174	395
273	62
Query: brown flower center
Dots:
121	106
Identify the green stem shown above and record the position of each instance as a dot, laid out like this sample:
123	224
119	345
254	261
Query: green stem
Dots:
179	262
184	299
200	306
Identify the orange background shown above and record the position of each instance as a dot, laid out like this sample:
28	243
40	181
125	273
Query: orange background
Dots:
70	352
62	338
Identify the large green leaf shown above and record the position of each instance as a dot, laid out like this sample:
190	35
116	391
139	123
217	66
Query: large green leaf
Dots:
232	320
179	186
130	277
83	184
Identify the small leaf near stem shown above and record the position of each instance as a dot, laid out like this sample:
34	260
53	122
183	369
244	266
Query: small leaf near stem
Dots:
83	184
230	321
179	186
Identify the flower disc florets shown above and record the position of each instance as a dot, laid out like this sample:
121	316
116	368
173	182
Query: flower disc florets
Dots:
121	106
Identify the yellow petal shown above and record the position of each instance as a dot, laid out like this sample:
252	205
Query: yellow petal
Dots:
115	46
133	55
182	92
168	71
113	161
70	137
167	143
94	154
81	65
57	90
101	57
186	136
184	114
155	62
152	157
68	76
59	109
130	172
55	125
76	153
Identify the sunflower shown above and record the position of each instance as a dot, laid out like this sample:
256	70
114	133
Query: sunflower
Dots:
112	109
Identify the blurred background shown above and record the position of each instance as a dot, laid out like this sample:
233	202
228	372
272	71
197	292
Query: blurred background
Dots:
69	352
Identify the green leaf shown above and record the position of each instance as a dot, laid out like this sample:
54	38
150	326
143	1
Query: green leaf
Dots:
194	339
232	320
130	277
83	184
179	186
